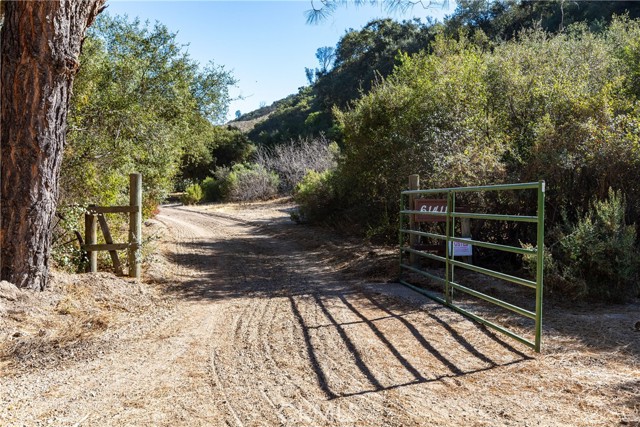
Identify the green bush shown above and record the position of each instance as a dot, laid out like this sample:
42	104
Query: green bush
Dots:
249	182
563	108
136	110
595	258
212	189
599	256
430	117
315	196
555	282
192	194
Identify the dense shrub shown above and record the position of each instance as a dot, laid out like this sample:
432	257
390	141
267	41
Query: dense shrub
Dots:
316	197
212	189
598	256
430	117
276	169
139	104
563	108
595	258
249	182
224	146
291	161
192	194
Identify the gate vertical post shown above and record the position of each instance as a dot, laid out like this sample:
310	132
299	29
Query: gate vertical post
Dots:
400	235
540	265
448	250
91	238
135	224
451	210
414	184
465	231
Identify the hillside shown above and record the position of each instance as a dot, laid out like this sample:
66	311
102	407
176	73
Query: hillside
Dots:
248	122
364	57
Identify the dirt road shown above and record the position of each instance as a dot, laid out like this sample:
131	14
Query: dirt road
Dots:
262	331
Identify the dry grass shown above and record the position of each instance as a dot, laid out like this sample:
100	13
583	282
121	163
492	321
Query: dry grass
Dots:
67	320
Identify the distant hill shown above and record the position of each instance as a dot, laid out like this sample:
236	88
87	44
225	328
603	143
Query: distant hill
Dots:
360	58
248	121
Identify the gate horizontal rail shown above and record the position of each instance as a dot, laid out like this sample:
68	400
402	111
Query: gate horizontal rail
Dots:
449	217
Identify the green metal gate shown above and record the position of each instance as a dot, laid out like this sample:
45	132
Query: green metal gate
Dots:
449	217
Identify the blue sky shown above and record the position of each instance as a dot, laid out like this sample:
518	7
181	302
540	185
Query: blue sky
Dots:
265	44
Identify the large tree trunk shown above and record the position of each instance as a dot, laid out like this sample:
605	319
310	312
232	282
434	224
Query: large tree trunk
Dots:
40	42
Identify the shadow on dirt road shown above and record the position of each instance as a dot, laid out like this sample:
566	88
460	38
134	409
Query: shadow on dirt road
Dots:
264	263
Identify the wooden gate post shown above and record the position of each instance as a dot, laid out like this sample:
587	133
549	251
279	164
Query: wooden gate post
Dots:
414	184
91	238
465	225
135	224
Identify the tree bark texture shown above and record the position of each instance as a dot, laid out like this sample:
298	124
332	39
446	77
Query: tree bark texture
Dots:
40	44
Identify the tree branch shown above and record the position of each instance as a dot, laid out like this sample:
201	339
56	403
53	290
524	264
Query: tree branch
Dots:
322	9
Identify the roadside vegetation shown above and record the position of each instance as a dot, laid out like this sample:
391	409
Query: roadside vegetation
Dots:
140	104
485	101
500	92
563	108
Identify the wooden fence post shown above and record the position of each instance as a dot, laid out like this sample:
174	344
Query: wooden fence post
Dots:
135	225
91	238
414	184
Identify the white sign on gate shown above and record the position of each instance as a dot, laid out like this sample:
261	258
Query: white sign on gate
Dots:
461	249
